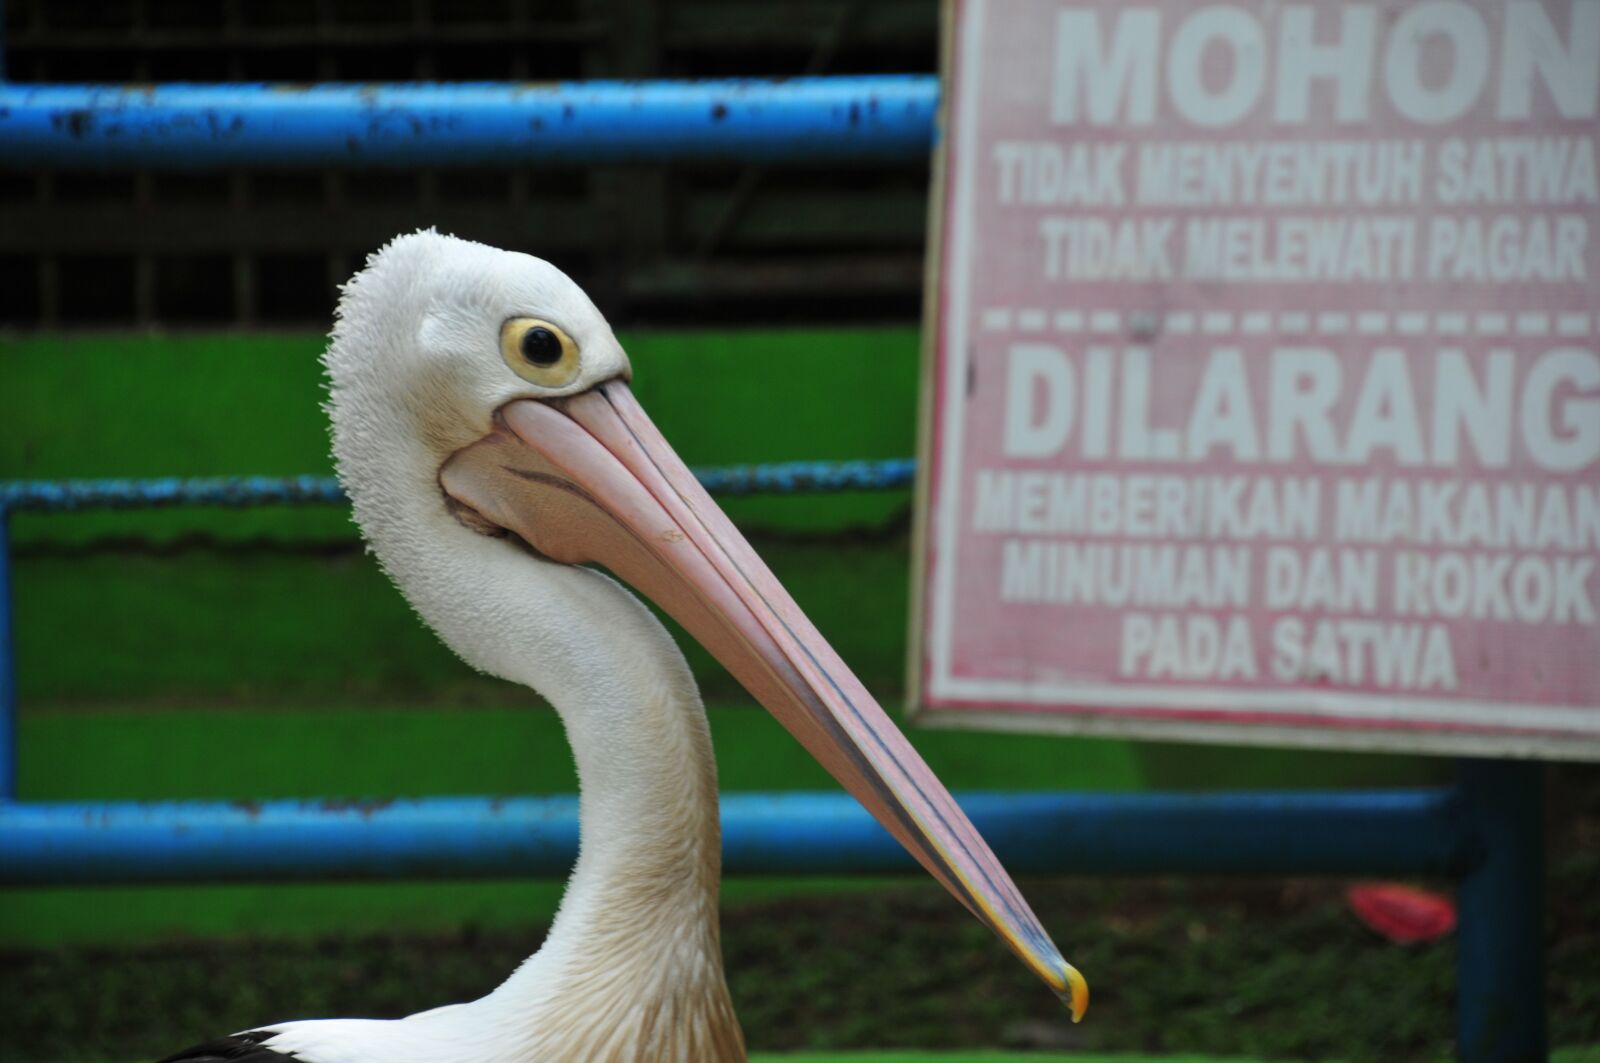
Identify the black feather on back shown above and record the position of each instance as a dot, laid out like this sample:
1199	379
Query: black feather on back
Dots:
236	1048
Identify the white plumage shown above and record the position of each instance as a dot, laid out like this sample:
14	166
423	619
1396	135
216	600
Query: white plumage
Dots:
420	379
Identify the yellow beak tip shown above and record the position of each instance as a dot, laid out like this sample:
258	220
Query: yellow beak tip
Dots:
1077	997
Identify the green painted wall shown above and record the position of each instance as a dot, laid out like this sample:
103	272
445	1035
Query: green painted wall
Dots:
87	406
259	653
205	604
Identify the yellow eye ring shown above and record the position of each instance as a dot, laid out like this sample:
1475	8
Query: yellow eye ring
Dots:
539	352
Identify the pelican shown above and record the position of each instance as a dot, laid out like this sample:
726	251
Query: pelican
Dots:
495	456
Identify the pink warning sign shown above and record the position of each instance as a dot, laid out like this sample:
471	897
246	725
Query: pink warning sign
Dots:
1264	377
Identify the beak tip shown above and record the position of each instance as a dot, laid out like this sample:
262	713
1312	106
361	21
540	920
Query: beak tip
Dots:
1077	995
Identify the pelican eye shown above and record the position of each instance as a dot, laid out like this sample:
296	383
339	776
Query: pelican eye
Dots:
540	346
539	352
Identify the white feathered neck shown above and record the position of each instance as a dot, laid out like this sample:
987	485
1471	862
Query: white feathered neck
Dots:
632	968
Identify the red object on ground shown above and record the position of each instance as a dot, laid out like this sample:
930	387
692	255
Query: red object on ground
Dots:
1403	914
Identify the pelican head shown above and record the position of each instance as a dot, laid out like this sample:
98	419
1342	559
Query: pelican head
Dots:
485	430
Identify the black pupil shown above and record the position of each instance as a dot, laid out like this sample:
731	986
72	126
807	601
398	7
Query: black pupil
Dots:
541	346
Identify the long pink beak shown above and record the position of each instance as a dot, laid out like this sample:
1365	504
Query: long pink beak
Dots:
589	479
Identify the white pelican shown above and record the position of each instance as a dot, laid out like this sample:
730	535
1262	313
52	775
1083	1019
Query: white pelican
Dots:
485	431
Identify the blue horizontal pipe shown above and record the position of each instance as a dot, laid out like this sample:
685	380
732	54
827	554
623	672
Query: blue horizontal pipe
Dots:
56	496
791	477
859	119
1410	832
60	496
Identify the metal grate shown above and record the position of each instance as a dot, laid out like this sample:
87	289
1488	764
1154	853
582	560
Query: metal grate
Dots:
267	247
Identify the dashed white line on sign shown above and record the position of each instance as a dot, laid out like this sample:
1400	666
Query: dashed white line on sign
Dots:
1290	322
1069	321
1573	324
1533	324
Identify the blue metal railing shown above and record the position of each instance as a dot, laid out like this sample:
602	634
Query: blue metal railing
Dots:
66	496
1485	831
1405	832
56	496
800	120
